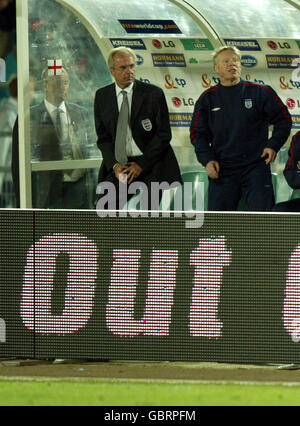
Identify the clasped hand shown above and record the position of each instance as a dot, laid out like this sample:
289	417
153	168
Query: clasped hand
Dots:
127	173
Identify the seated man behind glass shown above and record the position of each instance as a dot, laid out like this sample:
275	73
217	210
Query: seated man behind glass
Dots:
292	176
58	132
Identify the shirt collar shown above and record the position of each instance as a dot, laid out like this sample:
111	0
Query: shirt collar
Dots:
127	89
51	108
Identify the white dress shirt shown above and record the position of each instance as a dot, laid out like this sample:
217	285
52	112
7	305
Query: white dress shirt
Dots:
52	109
74	153
132	150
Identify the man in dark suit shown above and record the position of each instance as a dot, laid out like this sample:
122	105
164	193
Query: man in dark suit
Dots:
148	156
58	132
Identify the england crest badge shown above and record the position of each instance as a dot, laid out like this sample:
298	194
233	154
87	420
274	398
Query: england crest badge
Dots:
147	125
248	103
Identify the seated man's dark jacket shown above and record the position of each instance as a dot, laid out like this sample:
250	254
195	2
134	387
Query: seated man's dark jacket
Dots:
150	130
45	146
291	171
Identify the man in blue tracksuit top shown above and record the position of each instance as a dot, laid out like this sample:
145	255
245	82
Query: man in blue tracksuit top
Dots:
229	131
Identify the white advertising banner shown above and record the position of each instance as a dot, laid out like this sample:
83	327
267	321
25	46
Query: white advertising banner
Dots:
183	68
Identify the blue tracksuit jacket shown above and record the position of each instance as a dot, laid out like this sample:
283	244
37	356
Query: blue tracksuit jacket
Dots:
231	124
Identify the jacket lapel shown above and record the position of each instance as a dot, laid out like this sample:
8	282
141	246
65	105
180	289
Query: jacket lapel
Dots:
112	109
43	115
137	102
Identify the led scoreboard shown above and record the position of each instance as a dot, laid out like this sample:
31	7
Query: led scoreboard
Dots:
76	285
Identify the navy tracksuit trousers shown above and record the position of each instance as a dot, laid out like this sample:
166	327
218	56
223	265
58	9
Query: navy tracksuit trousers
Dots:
252	183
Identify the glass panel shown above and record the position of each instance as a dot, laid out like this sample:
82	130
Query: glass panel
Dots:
66	69
104	15
255	18
65	38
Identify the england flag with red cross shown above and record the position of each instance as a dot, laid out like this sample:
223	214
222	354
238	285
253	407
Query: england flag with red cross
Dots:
55	67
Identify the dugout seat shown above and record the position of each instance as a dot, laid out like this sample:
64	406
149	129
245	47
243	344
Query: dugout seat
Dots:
169	201
295	194
195	178
189	198
201	176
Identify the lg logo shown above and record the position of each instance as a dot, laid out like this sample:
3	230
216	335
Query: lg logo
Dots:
290	103
282	45
177	102
160	44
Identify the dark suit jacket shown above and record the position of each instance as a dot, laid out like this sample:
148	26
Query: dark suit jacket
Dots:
291	171
45	146
150	130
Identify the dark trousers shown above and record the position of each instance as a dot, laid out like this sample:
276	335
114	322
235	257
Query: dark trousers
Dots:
152	200
291	206
69	195
252	183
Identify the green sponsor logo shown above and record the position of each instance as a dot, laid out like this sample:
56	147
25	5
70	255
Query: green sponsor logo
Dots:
298	42
197	44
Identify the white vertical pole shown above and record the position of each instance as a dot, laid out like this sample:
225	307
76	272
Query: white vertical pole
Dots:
23	104
295	3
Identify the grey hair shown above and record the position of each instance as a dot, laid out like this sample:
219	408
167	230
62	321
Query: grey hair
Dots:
221	49
121	49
